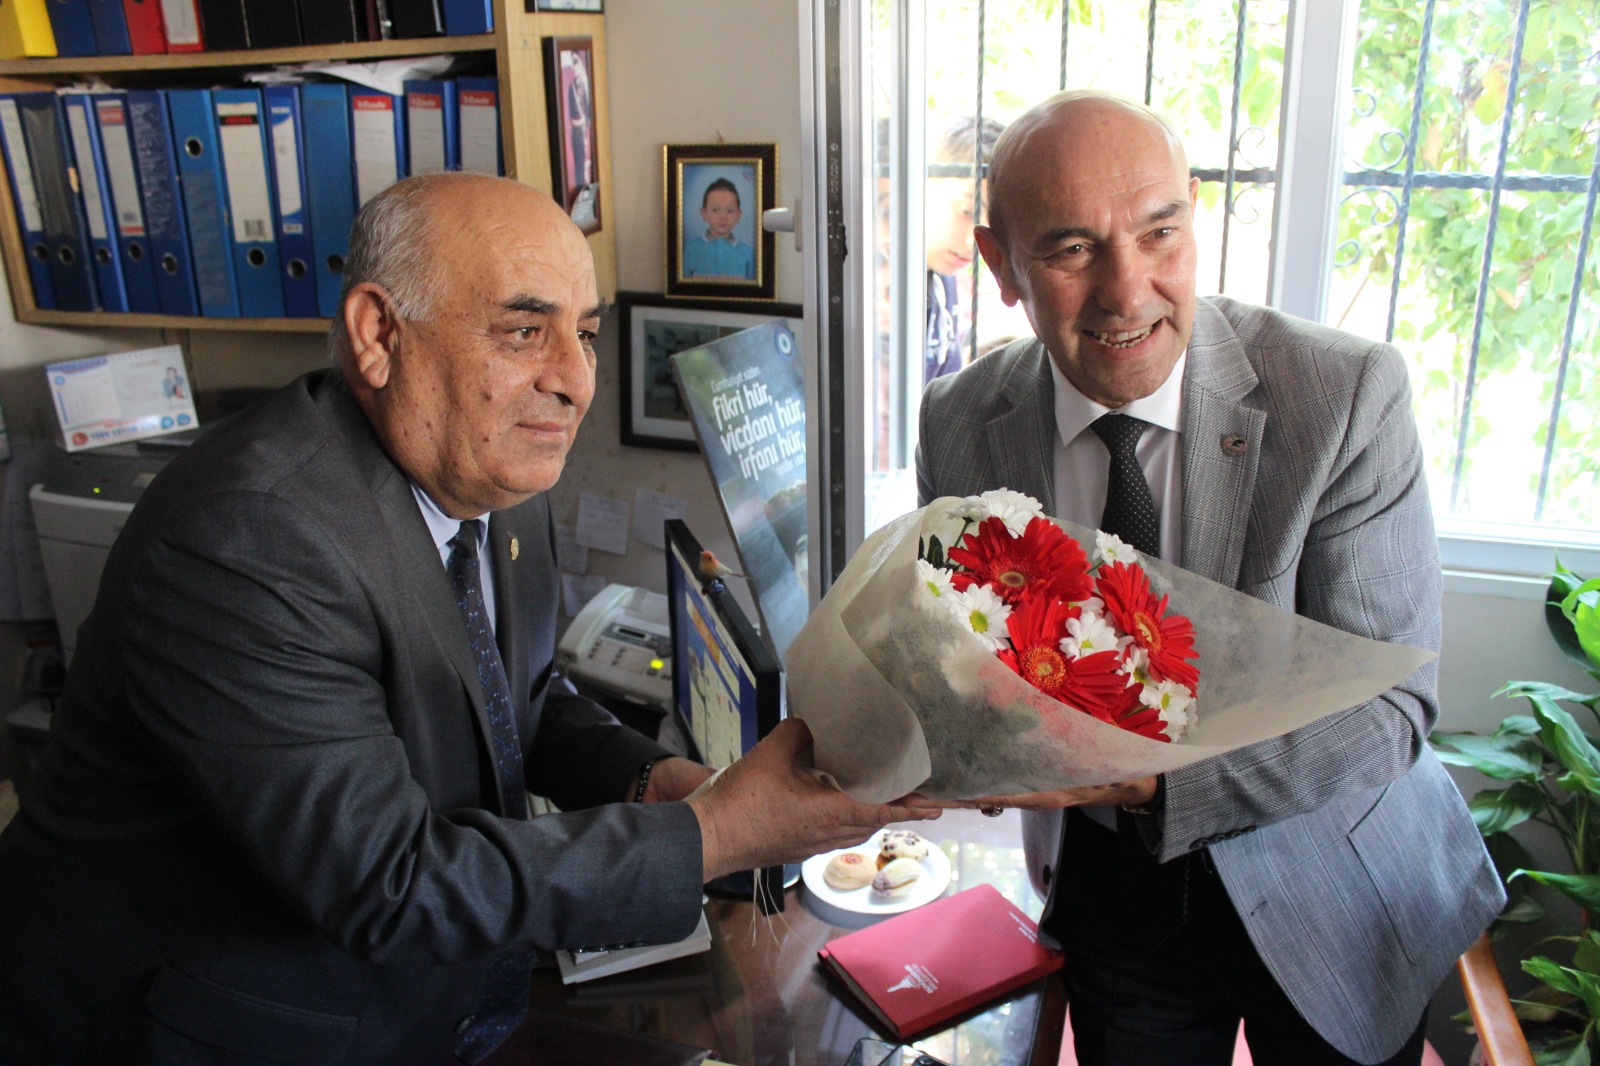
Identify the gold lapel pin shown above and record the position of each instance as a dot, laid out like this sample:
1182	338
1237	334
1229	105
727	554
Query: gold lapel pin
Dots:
515	548
1233	444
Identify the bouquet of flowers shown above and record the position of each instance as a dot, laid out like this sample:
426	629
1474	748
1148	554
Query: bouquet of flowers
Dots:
1096	639
979	648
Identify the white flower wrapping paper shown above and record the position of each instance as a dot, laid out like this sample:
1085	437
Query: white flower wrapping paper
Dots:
899	699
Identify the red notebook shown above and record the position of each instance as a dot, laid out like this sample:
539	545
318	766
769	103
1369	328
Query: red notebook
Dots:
931	964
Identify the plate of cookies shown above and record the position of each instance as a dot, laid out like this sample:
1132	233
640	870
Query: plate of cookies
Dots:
895	870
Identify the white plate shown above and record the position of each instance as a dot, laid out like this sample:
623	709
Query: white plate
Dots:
929	887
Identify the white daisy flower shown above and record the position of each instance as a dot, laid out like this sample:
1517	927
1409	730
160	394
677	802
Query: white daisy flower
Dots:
1015	509
1087	634
935	581
1172	701
1110	548
969	509
1136	664
982	612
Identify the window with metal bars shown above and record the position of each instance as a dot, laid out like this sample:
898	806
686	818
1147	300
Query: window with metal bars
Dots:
1421	173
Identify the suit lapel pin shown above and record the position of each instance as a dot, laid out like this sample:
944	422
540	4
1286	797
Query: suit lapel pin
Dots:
1233	444
515	549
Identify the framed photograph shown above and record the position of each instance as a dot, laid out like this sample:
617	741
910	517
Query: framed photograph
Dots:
653	330
715	194
563	5
569	96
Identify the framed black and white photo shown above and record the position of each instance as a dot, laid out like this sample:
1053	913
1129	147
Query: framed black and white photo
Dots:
574	139
714	197
653	330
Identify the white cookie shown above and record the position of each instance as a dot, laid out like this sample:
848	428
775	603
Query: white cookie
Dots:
896	879
848	871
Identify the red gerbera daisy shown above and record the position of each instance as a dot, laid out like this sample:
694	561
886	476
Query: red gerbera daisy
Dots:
1167	639
1044	562
1092	684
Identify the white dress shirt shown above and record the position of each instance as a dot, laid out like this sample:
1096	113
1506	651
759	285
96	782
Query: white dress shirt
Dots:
1083	462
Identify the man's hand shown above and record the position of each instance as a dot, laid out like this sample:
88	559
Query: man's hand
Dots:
1123	793
768	809
673	778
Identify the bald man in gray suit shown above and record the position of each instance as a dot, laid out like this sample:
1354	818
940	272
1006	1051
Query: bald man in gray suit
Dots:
1318	885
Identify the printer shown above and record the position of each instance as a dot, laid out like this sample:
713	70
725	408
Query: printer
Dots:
78	509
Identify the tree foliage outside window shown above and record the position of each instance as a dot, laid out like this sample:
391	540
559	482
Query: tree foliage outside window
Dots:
1486	457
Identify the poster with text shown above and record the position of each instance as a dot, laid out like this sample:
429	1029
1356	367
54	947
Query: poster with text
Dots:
746	396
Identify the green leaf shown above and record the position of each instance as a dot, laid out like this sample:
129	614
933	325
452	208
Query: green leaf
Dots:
1582	889
1504	757
1497	810
1570	1050
1563	582
1581	609
1562	736
1552	973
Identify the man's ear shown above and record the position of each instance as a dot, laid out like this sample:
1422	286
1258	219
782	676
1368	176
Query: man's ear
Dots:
993	250
370	323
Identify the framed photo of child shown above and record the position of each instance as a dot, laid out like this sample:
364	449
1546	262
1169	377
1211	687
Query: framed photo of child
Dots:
715	194
574	140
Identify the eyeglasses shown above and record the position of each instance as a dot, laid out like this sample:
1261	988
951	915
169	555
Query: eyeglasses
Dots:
870	1051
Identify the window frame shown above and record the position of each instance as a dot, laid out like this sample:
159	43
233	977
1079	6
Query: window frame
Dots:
1316	101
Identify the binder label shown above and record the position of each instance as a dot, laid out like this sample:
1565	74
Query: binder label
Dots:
372	127
480	132
425	112
286	158
21	168
183	24
93	202
239	135
119	167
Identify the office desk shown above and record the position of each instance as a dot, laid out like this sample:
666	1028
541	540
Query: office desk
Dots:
759	997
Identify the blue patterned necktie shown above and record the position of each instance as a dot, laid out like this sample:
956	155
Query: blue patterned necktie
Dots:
505	994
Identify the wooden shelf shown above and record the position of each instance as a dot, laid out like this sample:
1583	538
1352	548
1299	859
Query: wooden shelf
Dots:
524	116
360	51
120	320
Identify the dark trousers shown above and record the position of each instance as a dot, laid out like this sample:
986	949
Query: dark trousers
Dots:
1142	993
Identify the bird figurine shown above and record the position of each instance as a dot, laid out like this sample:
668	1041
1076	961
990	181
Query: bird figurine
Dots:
713	569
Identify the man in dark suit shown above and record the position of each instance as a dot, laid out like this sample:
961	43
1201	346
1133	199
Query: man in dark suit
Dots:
283	817
1317	885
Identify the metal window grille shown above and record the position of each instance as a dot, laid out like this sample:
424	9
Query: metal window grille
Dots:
1393	185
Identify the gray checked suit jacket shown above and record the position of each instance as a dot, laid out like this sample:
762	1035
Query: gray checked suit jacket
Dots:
269	827
1344	845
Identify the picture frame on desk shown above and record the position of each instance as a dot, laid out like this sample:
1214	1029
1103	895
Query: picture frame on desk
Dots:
654	329
574	141
713	199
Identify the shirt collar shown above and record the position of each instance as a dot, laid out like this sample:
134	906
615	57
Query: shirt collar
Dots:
442	527
731	238
1075	411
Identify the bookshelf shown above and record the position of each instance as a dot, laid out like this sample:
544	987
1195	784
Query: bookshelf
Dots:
524	130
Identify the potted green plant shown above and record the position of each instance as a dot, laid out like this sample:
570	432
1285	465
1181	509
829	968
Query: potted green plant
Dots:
1550	763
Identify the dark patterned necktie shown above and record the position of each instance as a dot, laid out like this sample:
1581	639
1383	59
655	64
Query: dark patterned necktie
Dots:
1130	513
1146	900
505	994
